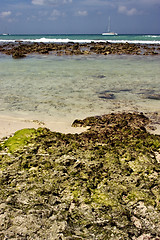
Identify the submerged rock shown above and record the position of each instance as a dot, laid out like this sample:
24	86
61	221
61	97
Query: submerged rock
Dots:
18	54
153	96
107	96
100	184
100	76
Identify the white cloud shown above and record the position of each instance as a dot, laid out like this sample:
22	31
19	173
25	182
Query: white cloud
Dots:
129	12
18	14
43	13
31	18
37	2
116	3
55	14
10	20
67	1
81	13
104	4
5	14
50	2
111	3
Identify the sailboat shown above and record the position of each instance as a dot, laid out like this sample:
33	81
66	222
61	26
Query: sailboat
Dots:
109	33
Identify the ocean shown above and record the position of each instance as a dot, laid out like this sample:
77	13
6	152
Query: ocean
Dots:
54	88
144	38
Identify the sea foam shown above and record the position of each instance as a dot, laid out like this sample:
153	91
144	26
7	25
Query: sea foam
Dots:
67	40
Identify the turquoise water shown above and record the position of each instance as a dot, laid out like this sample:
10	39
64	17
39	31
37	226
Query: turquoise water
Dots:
70	87
147	38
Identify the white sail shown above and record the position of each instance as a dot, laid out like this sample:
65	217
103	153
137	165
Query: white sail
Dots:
109	33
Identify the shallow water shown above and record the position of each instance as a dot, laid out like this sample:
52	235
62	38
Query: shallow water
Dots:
58	87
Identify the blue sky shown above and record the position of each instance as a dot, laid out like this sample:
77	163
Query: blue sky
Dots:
79	16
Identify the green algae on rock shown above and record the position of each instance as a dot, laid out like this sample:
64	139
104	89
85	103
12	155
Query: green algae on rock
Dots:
20	139
101	184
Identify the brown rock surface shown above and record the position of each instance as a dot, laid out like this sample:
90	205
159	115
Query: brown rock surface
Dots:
20	49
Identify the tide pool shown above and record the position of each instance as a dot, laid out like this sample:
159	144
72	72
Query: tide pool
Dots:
69	87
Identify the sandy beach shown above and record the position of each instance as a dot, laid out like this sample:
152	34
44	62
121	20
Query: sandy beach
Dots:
9	125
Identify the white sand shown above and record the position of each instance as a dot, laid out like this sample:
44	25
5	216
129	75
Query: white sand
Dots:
9	125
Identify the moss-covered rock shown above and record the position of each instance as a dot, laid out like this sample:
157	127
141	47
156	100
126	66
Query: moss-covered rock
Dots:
100	184
20	139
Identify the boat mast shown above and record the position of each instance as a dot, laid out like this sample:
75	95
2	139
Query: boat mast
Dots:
109	23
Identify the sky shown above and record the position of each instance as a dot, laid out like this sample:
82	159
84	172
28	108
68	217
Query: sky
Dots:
79	16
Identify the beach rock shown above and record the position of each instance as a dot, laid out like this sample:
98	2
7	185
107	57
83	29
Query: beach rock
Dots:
147	92
77	52
44	51
86	52
18	54
106	95
76	46
69	52
99	76
125	90
100	184
153	96
19	49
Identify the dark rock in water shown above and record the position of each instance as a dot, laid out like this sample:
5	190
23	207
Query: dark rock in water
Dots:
44	51
105	91
107	95
18	54
126	90
153	96
101	184
76	46
100	76
113	91
78	49
147	91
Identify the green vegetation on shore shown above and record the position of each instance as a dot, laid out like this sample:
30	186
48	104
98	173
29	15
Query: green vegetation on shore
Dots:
101	184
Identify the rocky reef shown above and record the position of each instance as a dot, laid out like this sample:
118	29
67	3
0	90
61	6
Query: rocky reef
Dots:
20	49
101	184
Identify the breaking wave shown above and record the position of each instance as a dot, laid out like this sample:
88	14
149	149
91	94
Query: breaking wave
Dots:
67	40
82	38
